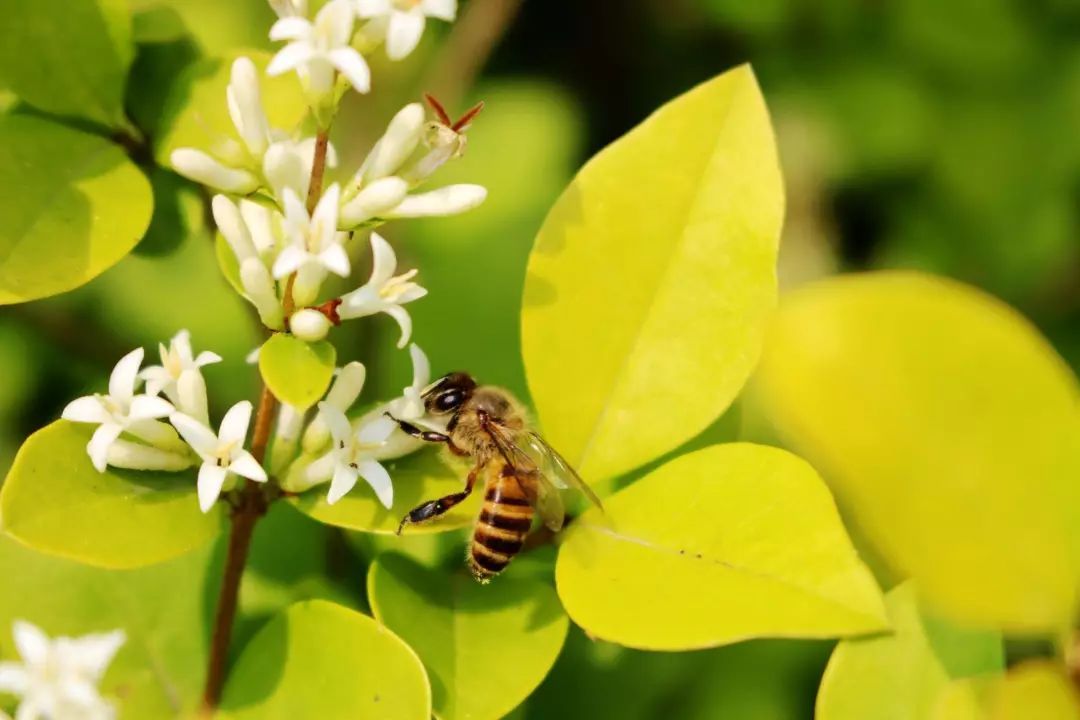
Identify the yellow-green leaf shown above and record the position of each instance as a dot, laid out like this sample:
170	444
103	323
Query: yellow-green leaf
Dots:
655	273
486	648
421	476
727	543
73	205
1034	689
947	426
55	501
320	660
907	670
297	372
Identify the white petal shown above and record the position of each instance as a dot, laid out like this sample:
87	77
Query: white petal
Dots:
380	196
200	167
123	377
376	430
421	367
181	345
352	65
246	465
94	652
207	357
136	456
290	28
148	407
234	425
156	433
397	143
324	219
287	172
231	224
98	447
86	409
404	33
31	642
290	57
246	102
383	262
442	9
401	315
361	302
379	480
334	22
258	220
336	260
157	379
309	325
347	386
337	422
13	679
322	469
211	478
344	481
296	215
372	8
289	261
191	395
449	200
201	438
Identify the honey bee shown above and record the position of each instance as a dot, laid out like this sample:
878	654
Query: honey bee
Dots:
522	474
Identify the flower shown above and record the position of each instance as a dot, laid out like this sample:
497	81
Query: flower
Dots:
383	292
179	376
316	49
410	406
289	8
58	679
315	244
352	456
122	410
309	325
287	164
341	396
222	453
405	20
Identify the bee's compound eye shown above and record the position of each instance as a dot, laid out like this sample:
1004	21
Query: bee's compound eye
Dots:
449	400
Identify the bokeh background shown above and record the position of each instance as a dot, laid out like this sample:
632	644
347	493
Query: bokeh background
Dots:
942	135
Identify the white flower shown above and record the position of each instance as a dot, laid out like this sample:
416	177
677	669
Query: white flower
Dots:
352	456
121	410
405	20
377	198
222	453
179	375
315	245
309	325
261	290
244	99
341	396
58	679
383	292
410	406
206	170
316	49
286	437
289	8
287	164
449	200
397	144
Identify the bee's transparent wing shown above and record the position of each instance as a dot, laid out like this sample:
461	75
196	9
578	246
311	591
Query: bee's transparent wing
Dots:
542	494
555	467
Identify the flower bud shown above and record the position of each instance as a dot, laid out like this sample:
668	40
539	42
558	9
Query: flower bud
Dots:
160	435
342	394
394	147
135	456
309	325
191	395
245	106
449	200
379	197
261	291
286	437
200	167
232	227
309	278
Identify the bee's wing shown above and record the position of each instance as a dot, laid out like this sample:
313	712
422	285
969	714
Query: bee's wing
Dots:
531	477
557	468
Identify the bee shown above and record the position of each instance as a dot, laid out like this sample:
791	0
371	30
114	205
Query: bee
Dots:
522	475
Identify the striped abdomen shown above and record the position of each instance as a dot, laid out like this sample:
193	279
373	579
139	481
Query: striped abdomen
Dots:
501	528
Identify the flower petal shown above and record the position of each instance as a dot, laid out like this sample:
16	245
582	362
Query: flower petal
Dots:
136	456
322	469
231	224
347	386
324	219
404	33
13	679
381	196
211	478
31	642
372	8
86	409
149	407
191	395
291	28
376	430
93	653
181	345
234	425
200	167
245	105
337	423
289	261
352	65
379	480
442	9
290	57
344	481
246	465
201	438
449	200
123	377
383	259
399	141
334	23
421	367
404	321
336	260
207	357
100	441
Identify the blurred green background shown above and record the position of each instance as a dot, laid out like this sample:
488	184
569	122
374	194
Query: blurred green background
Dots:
932	134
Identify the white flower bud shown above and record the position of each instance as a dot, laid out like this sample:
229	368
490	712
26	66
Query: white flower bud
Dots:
260	224
394	147
379	197
245	106
449	200
286	437
200	167
297	480
135	456
191	395
156	433
261	291
232	227
309	325
342	394
284	167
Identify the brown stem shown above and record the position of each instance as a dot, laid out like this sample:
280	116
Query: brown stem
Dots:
318	169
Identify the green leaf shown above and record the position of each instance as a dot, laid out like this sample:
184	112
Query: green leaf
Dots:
905	671
656	268
163	609
721	545
421	476
320	660
73	206
55	501
486	648
1033	690
297	372
68	57
947	426
196	114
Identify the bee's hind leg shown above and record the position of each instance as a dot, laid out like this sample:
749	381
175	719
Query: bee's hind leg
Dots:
435	508
426	435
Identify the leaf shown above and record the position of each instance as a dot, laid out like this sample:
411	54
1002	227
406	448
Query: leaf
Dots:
68	57
905	671
486	648
196	114
947	427
73	206
297	372
320	660
656	269
55	501
421	476
163	609
1033	690
720	545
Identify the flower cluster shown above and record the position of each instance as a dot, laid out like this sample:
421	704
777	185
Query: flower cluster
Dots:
58	679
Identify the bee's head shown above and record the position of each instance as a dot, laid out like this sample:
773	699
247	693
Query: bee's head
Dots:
447	394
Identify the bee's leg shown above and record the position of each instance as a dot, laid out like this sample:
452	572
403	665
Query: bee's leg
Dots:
435	508
426	435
